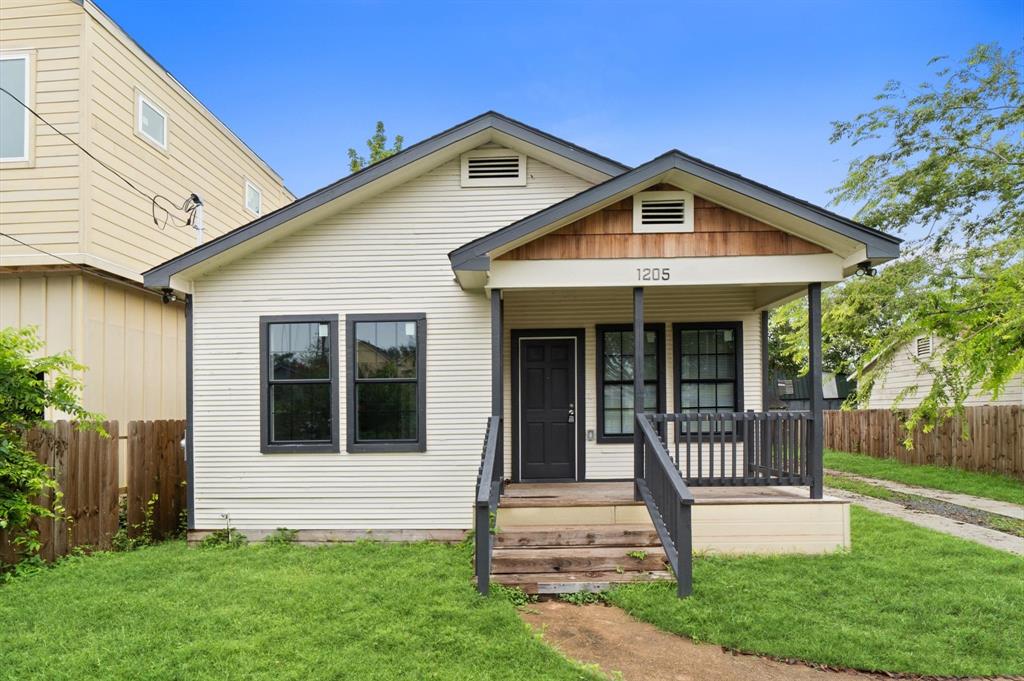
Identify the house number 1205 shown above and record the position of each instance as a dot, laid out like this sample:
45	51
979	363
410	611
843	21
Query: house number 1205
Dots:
652	274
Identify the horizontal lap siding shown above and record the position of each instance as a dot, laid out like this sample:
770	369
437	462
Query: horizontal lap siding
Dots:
388	254
200	158
586	308
40	204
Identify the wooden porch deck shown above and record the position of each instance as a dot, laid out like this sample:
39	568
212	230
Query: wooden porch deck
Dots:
620	493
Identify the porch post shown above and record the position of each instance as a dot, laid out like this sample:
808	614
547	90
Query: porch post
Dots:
497	377
638	385
814	454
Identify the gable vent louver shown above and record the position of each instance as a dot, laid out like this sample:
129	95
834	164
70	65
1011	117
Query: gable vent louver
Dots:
924	346
663	211
493	167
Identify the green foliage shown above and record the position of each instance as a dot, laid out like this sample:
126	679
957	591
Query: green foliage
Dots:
948	159
378	149
637	555
227	537
512	594
281	536
987	485
29	385
584	597
946	601
123	539
372	611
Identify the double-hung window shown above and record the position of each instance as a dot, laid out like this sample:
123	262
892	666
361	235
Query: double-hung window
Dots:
616	362
707	367
14	118
386	382
299	383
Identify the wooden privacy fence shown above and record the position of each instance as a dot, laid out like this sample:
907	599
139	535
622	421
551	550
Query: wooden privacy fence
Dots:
994	443
85	465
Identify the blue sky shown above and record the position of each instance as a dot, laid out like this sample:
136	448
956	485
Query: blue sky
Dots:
751	86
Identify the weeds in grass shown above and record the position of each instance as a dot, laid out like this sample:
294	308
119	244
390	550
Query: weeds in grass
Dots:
512	594
584	597
637	555
122	539
281	536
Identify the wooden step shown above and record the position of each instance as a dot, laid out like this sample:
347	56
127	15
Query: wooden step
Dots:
574	582
575	535
566	559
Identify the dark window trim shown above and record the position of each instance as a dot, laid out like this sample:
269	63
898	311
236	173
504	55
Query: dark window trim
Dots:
268	447
390	446
677	355
659	345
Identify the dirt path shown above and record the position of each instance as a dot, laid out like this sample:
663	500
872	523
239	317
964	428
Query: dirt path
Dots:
988	505
608	637
982	535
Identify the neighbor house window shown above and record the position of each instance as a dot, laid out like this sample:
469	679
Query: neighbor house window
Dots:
253	198
299	383
386	382
14	118
616	363
152	121
708	367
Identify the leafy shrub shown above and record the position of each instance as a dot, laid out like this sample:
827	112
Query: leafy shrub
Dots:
512	594
282	535
227	537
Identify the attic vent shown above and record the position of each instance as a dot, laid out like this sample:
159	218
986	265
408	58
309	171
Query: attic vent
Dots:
924	346
493	168
663	211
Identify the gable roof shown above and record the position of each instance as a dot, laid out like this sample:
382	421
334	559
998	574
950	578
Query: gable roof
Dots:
474	255
160	276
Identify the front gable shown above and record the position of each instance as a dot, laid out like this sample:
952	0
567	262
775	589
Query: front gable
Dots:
609	233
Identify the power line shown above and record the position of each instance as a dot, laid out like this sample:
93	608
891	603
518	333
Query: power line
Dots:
87	270
187	206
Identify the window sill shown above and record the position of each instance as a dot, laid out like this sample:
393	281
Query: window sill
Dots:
386	447
326	448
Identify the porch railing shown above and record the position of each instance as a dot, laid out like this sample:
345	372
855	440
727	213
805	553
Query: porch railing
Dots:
669	503
742	448
488	494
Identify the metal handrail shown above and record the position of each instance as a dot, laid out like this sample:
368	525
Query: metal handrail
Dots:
669	502
488	495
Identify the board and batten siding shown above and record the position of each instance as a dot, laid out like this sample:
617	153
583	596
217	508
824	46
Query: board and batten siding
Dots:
588	308
40	199
385	255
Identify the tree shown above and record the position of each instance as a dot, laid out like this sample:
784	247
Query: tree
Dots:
947	160
30	384
378	147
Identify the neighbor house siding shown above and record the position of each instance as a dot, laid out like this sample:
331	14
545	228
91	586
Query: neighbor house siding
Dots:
587	308
40	199
904	372
386	255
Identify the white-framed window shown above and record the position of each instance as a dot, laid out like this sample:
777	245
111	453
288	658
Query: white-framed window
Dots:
14	118
493	167
253	198
150	120
662	211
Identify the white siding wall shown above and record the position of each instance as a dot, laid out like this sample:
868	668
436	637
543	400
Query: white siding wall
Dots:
905	372
587	308
388	254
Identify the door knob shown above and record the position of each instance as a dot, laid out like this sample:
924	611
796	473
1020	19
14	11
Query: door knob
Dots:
572	413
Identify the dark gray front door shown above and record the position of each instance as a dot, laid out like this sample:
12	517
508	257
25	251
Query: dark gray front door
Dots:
547	394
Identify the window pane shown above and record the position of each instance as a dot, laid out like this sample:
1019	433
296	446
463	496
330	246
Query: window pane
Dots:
300	412
707	397
300	350
726	366
612	343
689	367
613	396
689	396
627	397
253	198
627	422
386	349
385	411
627	367
613	367
708	366
650	397
152	122
689	342
612	422
650	343
726	340
726	397
650	366
12	114
708	341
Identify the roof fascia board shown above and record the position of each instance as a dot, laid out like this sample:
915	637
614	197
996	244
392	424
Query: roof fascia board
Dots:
160	276
877	244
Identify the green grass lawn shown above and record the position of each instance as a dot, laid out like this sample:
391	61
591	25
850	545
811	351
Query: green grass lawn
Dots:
363	611
905	599
988	485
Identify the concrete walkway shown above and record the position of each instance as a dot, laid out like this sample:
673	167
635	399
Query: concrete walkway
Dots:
979	503
982	535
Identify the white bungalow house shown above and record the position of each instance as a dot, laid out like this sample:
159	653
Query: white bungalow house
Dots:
455	329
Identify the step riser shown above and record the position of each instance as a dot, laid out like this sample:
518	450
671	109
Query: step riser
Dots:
556	538
511	561
547	583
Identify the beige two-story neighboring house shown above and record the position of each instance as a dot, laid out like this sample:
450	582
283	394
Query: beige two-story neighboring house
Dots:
86	235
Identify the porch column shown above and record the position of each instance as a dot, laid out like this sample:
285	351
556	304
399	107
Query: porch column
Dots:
497	377
638	385
815	462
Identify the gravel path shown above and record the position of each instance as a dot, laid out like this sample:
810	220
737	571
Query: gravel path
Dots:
966	500
958	528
